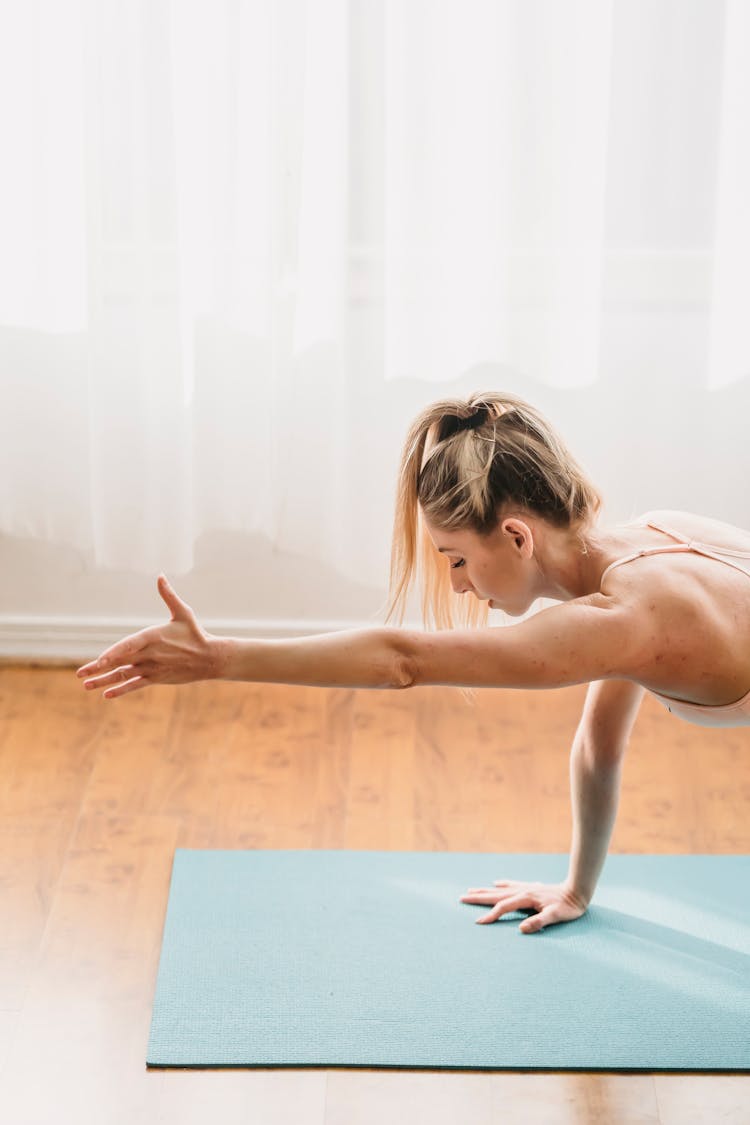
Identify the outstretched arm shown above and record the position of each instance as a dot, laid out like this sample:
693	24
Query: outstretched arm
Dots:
588	639
182	652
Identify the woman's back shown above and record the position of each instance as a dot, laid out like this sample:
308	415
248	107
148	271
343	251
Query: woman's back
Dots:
691	575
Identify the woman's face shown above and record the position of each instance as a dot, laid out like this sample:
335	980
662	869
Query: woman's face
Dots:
499	568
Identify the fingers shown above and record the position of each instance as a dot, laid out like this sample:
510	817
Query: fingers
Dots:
502	903
128	647
506	906
488	890
497	883
547	904
87	669
132	685
538	921
119	654
119	682
489	894
179	609
481	896
117	676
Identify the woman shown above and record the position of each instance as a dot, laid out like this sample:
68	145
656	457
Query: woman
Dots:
491	504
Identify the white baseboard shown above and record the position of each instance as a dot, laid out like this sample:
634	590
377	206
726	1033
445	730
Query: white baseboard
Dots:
71	640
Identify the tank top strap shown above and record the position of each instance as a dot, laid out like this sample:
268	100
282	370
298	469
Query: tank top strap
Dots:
668	531
667	549
698	545
682	544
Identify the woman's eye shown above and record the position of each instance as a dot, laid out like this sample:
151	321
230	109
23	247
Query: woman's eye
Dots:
456	565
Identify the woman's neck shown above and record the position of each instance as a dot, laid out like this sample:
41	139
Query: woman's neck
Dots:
571	562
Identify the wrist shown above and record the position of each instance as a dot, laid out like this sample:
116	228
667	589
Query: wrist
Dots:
222	653
577	893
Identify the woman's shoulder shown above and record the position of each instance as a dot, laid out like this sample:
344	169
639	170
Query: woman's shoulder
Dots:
695	627
693	525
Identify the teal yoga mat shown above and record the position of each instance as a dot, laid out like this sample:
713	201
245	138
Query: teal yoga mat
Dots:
368	959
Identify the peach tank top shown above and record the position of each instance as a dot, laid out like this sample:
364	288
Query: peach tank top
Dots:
733	714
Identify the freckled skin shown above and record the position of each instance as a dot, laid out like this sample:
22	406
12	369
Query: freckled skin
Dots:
681	596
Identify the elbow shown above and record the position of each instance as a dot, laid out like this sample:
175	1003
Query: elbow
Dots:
405	673
403	663
603	754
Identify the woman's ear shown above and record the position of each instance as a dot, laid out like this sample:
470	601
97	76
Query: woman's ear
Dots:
521	534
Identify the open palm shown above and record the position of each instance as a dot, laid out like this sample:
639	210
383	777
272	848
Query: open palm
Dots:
553	902
178	652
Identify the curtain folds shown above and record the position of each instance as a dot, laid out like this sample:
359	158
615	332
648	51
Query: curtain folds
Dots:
239	234
496	164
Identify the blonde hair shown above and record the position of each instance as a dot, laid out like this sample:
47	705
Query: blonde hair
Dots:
461	462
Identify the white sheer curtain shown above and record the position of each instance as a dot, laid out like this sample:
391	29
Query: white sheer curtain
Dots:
242	240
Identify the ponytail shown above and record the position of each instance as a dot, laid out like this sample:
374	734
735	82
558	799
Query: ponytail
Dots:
461	462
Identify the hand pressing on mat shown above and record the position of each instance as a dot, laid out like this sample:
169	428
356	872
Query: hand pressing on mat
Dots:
554	902
176	653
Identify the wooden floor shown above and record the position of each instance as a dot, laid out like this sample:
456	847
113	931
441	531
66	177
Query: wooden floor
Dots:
96	795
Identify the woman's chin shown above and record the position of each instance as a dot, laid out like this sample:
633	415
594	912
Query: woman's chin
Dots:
509	609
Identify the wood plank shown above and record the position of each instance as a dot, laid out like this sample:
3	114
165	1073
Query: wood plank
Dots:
32	854
576	1099
685	788
84	1024
240	1097
48	745
382	788
267	770
694	1099
8	1021
48	742
494	773
370	1097
400	1097
333	765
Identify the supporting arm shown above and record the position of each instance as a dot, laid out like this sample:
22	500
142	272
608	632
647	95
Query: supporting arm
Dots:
596	762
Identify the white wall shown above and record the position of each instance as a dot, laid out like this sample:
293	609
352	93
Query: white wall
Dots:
647	431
